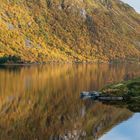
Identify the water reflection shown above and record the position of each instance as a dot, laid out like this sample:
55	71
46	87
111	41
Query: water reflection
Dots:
121	133
42	102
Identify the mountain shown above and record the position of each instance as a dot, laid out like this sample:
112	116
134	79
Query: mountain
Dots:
68	30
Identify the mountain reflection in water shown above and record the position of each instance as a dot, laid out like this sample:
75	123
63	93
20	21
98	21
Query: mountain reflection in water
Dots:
42	102
128	130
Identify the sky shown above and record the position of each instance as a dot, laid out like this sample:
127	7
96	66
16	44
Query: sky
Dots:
134	3
128	130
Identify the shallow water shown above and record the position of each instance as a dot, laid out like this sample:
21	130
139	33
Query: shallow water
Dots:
42	102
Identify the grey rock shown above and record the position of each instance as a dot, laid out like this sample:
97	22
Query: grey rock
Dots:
28	43
83	13
10	26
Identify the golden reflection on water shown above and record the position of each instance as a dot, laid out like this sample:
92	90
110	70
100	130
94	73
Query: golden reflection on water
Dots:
42	102
20	80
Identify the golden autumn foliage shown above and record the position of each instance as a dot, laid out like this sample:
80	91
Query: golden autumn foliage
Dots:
65	30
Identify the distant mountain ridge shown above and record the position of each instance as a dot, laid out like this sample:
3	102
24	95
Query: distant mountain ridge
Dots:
68	30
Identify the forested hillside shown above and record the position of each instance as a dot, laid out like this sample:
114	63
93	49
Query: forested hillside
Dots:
68	30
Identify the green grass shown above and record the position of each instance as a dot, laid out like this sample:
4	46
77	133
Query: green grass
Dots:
130	90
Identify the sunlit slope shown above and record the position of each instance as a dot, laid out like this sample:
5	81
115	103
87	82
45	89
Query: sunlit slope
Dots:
65	30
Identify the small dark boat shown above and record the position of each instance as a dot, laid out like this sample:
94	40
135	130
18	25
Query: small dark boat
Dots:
90	95
94	95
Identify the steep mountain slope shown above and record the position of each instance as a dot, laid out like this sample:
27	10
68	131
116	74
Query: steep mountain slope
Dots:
68	30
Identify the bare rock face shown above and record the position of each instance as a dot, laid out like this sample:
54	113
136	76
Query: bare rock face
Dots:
28	43
83	13
10	26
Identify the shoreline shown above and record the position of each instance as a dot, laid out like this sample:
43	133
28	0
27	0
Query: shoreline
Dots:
71	62
129	90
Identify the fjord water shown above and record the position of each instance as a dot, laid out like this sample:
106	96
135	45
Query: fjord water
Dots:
126	130
42	101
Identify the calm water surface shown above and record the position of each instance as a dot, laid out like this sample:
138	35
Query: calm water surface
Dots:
128	130
42	103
